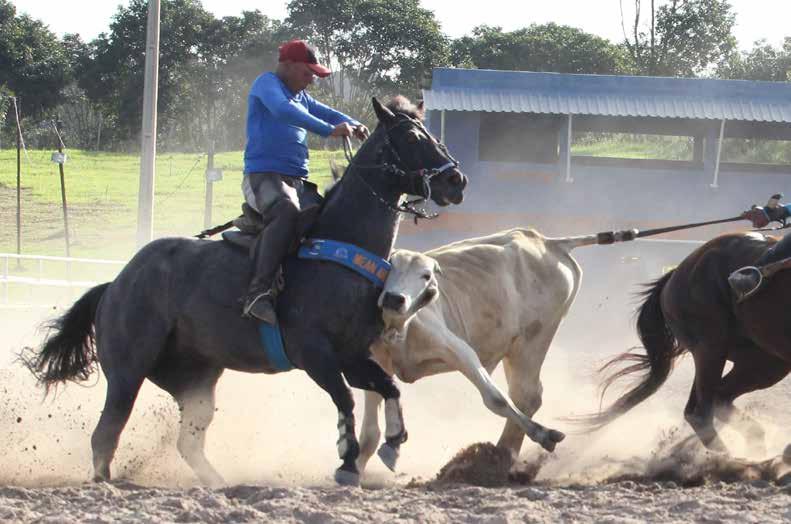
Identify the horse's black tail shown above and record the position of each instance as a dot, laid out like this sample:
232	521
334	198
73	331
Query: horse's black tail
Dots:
661	350
68	352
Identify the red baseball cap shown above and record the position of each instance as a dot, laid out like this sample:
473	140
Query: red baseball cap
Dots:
300	51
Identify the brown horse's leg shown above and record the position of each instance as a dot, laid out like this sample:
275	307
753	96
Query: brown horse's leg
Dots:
759	371
699	412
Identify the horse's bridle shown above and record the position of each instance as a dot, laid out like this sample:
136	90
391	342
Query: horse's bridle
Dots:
424	175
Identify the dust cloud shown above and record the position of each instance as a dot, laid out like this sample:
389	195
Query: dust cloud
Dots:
280	430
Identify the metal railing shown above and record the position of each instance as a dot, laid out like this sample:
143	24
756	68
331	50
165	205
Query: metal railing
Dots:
39	277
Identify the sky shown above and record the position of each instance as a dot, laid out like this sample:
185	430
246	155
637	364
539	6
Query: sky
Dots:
755	19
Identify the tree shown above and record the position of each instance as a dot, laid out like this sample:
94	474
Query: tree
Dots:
33	64
374	46
546	47
762	62
206	68
683	38
115	76
233	52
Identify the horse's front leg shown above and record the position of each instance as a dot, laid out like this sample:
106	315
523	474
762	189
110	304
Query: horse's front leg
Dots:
367	374
321	364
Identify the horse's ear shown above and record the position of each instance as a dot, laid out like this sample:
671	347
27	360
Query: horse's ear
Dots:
384	115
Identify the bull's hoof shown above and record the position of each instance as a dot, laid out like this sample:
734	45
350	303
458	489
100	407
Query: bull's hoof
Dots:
99	478
388	455
347	478
551	439
212	480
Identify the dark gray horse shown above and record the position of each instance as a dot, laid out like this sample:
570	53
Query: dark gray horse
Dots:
172	315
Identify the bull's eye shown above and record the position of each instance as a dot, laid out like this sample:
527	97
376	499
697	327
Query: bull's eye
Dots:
411	138
427	277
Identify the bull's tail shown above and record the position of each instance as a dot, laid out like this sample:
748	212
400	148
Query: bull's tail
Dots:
661	351
603	238
68	353
569	243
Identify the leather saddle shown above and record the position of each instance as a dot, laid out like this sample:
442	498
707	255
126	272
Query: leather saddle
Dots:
250	223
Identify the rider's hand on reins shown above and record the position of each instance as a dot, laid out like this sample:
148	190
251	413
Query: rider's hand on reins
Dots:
361	132
343	129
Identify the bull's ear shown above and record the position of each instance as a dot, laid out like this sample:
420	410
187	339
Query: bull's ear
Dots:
384	115
437	268
421	110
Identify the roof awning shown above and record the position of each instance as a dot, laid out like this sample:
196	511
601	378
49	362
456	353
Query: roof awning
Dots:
664	106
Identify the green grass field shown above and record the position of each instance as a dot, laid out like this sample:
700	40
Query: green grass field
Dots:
101	191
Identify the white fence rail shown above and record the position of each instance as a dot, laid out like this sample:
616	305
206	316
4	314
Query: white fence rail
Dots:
13	273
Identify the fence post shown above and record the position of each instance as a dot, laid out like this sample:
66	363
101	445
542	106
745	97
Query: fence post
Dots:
61	161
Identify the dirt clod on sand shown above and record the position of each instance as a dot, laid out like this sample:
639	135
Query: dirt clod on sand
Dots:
484	464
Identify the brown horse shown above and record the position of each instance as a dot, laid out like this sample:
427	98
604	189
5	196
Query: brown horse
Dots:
692	308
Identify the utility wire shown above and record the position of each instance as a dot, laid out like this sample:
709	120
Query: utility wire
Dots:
181	182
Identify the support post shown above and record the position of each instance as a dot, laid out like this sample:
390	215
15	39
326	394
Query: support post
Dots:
209	186
714	184
565	138
145	199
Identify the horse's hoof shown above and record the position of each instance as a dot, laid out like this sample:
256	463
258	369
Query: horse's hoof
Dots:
388	455
556	436
549	445
347	478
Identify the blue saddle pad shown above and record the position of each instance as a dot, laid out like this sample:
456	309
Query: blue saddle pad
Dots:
272	341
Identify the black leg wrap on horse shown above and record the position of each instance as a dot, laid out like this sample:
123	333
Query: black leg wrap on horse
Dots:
347	442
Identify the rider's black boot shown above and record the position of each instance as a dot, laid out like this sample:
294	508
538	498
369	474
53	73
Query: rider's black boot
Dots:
271	246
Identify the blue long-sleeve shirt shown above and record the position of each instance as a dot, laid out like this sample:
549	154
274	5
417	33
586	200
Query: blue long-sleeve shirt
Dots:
277	125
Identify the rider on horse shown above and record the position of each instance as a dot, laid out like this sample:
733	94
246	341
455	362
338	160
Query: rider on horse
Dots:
747	280
280	112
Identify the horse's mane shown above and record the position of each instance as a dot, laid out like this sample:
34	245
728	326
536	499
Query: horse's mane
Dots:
396	104
401	104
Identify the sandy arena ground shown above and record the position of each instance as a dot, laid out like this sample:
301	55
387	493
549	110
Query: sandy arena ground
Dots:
273	440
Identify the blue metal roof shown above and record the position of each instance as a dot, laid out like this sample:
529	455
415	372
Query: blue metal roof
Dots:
640	96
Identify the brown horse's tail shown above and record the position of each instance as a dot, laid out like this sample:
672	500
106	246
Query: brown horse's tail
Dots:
661	350
68	352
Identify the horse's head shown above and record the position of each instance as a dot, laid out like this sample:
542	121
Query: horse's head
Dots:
430	170
410	286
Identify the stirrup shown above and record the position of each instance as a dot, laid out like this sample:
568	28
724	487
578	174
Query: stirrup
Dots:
745	282
268	315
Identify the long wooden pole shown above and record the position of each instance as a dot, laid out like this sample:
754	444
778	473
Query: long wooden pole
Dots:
145	199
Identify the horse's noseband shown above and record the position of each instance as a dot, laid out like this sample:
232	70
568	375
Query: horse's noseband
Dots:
420	176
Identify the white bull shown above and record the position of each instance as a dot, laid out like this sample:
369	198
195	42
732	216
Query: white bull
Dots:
466	307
